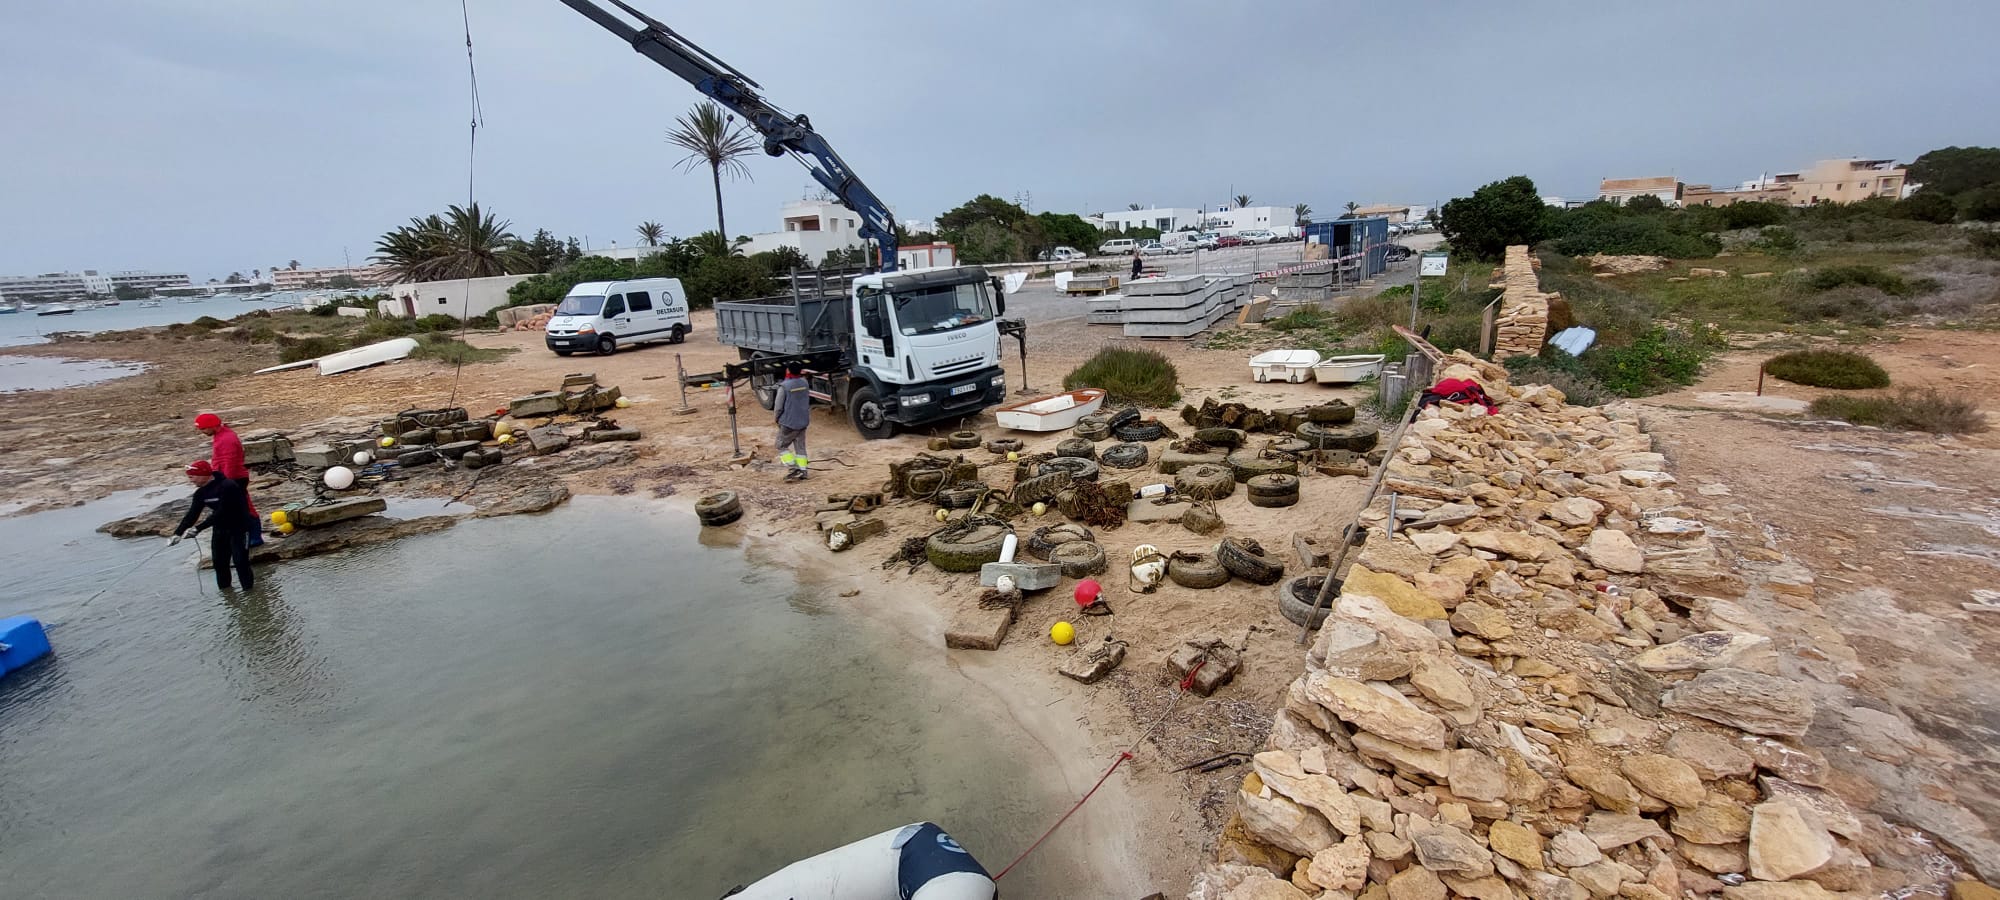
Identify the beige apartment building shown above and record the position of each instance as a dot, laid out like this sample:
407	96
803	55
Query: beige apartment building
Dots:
297	279
1843	181
1751	192
1620	190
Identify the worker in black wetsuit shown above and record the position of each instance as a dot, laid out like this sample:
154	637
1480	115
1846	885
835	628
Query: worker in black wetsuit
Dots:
229	520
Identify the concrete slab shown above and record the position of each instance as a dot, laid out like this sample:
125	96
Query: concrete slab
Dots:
547	440
320	456
977	628
1167	330
853	532
1155	287
546	403
267	449
1143	511
335	511
1090	665
1027	576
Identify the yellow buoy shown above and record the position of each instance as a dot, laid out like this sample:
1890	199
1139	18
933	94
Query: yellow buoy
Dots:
942	515
1013	456
1040	507
623	403
505	439
387	442
286	528
503	427
278	517
1062	633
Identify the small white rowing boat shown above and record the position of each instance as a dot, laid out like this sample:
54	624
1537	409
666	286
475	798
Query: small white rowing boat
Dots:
1347	369
349	360
1054	412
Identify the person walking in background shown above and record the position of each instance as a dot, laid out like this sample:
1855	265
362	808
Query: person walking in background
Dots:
1137	265
225	455
794	408
228	523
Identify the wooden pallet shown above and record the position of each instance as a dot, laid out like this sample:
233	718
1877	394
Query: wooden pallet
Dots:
1089	291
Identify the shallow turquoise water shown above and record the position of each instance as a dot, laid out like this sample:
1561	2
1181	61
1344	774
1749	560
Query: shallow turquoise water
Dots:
587	703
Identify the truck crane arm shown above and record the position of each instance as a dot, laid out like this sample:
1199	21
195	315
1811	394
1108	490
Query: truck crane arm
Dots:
783	132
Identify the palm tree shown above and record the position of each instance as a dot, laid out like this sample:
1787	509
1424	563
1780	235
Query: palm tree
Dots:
462	243
1302	215
651	233
709	243
1351	207
1242	200
294	266
1134	207
711	136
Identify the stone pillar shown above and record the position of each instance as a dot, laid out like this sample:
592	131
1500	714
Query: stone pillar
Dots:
1523	321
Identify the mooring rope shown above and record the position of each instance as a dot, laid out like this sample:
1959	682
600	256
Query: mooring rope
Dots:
471	198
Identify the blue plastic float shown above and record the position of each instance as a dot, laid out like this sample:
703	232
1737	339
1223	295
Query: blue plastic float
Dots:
22	641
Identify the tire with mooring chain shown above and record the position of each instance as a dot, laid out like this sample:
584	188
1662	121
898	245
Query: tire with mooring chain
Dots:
1297	596
1048	537
962	440
1273	491
1123	456
1357	436
1080	448
1079	469
1245	559
1140	431
1003	446
1123	417
966	546
1205	481
1196	570
1092	431
1248	464
1079	559
1337	412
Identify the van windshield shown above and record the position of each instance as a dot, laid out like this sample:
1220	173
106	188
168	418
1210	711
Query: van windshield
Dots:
942	308
581	305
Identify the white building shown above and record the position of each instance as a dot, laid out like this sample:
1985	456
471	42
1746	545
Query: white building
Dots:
925	256
458	298
74	286
1247	218
1163	218
297	279
812	227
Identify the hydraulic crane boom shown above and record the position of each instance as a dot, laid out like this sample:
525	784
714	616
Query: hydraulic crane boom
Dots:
782	131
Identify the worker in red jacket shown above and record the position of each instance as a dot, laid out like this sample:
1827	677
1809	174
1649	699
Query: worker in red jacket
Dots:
226	457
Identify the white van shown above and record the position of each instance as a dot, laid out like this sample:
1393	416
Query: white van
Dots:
597	316
1118	247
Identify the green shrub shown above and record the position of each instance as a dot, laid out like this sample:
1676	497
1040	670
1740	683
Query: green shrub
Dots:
1662	357
452	351
326	310
295	349
1561	371
1985	243
1776	240
1853	304
207	323
1926	206
1304	318
1632	234
1868	276
382	329
1842	369
436	322
1910	409
1143	377
1753	215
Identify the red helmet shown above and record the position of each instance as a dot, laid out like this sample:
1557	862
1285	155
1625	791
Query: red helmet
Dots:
208	420
200	469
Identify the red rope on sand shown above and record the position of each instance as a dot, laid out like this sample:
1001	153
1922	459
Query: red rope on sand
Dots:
1123	755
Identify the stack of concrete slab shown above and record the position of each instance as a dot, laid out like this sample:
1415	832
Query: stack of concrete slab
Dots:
1305	287
1105	310
1176	307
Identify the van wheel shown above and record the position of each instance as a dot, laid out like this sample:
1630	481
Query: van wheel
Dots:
680	335
607	345
868	416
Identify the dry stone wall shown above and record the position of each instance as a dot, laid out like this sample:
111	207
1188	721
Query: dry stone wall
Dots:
1533	689
1522	324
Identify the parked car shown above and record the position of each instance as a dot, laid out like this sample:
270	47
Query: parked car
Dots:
1118	247
1398	253
1062	254
1229	240
1155	248
1257	236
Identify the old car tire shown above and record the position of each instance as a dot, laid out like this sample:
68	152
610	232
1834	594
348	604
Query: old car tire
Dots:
1274	501
1079	469
1079	559
1139	431
924	482
1358	436
1205	481
1221	437
1123	417
1040	488
1196	570
865	413
721	518
1296	597
1080	448
1248	464
1093	431
717	503
1049	537
1245	559
1273	485
1003	446
1202	519
962	495
965	549
1334	413
1123	456
1174	461
962	440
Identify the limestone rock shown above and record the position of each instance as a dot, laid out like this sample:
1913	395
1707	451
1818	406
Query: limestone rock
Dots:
1785	843
1476	776
1800	764
1487	887
1220	882
1399	632
1576	511
1832	812
1384	554
1781	890
1319	793
1262	885
1711	755
1604	877
1386	845
1759	704
1717	820
1610	831
1434	542
1428	763
1608	788
1350	649
1445	589
1664	777
1439	681
1513	544
1444	849
1400	596
1712	650
1516	842
1570	848
1721	859
1277	821
1613	550
1973	890
1544	886
1481	620
1382	711
1416	883
1341	867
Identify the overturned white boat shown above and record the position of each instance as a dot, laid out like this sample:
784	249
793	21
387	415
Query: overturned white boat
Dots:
1054	412
914	862
348	360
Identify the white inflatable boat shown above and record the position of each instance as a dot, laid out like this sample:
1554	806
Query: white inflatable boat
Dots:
914	862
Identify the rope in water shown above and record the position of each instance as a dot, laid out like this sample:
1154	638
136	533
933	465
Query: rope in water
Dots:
1123	755
121	578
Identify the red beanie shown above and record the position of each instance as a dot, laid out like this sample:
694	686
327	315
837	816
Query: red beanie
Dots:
200	469
208	420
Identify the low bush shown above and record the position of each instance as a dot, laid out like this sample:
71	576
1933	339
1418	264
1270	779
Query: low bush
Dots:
1868	276
382	329
436	322
1776	240
326	310
1659	359
1556	368
452	351
1143	377
1853	304
1841	369
1909	409
1985	243
1304	318
293	350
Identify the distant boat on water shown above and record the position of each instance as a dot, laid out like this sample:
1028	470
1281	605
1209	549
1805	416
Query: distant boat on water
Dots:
5	310
56	310
150	304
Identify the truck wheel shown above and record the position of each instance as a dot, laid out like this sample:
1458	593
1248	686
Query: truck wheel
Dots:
607	345
868	416
764	386
680	335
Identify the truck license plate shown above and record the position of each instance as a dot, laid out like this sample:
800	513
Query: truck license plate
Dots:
964	389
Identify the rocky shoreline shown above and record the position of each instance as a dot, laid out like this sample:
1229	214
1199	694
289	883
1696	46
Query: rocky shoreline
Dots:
1544	682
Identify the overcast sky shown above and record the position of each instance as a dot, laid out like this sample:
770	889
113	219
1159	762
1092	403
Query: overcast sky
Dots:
235	134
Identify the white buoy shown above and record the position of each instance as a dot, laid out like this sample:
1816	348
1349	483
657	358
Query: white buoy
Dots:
339	478
1004	583
1008	545
361	458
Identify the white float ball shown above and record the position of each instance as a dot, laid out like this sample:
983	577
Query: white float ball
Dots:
362	458
339	478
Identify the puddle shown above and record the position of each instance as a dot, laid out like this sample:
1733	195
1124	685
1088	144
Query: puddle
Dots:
41	373
419	507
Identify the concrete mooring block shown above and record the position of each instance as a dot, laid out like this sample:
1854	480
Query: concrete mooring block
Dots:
267	449
979	628
545	403
1027	576
320	514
